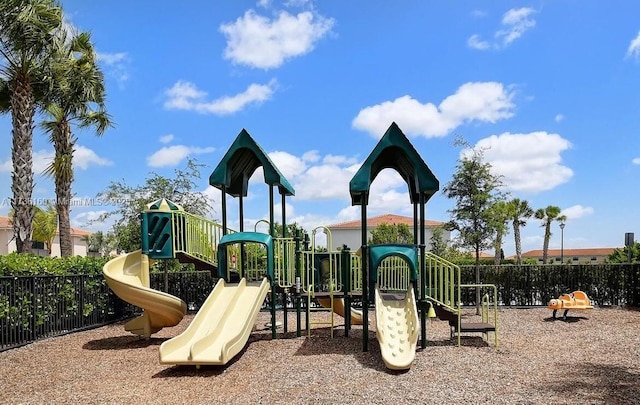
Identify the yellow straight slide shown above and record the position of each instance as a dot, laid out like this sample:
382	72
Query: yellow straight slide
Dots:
128	278
221	328
338	308
397	328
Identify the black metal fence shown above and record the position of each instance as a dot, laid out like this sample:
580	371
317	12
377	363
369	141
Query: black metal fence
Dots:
534	285
37	307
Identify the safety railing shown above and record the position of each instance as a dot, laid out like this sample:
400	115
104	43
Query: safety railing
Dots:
442	277
393	274
488	306
196	236
285	261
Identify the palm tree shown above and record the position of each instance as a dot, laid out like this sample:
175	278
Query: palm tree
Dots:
76	95
45	225
26	29
548	215
499	216
519	211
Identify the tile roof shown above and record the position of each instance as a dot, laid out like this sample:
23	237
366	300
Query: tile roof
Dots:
388	219
570	252
5	223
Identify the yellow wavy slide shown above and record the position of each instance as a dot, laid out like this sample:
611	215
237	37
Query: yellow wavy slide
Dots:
221	328
397	328
128	278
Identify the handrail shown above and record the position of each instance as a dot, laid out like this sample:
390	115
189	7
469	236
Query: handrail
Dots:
485	303
196	236
442	278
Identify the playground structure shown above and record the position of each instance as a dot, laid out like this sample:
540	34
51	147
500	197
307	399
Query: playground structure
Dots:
403	281
575	300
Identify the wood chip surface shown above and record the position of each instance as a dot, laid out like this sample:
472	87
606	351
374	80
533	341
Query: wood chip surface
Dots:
593	357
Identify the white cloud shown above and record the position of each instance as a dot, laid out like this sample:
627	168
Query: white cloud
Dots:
84	157
6	166
259	42
311	156
636	161
559	117
186	96
339	160
117	65
289	165
41	160
515	22
475	42
473	101
172	155
166	138
89	221
577	211
326	181
634	47
528	162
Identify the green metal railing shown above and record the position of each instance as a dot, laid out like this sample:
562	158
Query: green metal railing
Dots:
488	307
196	236
393	274
441	280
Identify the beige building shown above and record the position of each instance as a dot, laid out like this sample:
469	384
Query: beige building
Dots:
571	256
8	244
349	233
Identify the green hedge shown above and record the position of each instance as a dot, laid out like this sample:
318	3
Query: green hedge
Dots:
16	264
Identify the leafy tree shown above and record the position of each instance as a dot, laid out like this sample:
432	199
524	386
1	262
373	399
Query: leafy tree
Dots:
132	200
519	211
438	243
27	29
45	226
76	95
499	216
391	233
547	216
475	189
621	255
100	242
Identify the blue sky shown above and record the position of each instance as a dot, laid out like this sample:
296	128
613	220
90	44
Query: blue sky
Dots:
549	88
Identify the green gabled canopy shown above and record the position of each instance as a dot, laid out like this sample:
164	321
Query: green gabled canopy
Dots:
238	164
164	205
394	151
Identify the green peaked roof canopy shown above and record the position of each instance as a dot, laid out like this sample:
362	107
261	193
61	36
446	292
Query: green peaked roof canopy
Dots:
394	151
238	164
164	205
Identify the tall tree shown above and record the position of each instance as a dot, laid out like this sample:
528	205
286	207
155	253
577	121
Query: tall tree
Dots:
519	211
547	216
438	242
27	28
76	96
132	200
475	189
499	216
